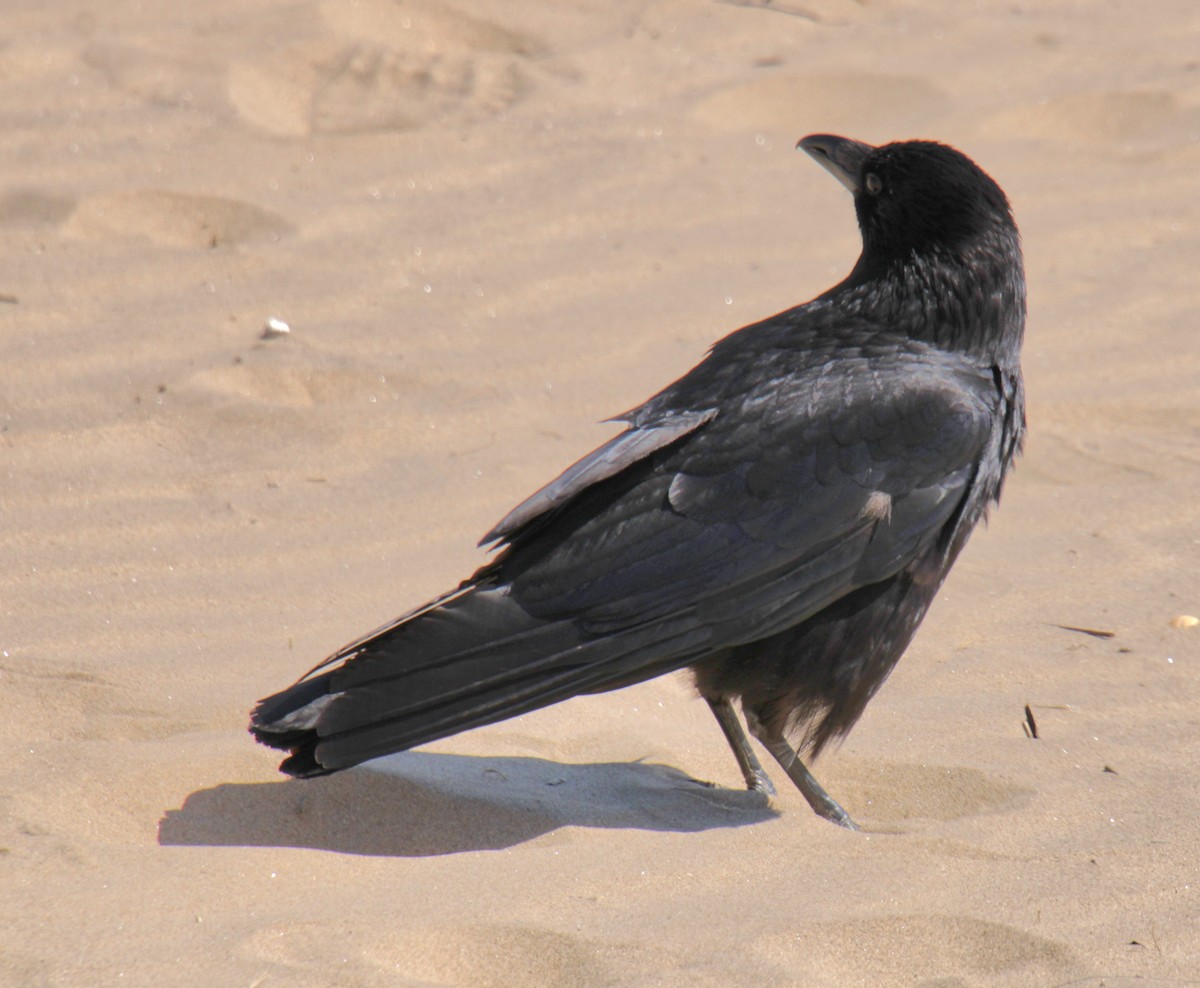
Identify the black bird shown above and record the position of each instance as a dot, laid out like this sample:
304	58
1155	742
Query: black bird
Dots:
778	519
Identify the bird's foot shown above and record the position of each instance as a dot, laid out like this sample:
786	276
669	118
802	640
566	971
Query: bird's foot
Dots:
831	810
760	782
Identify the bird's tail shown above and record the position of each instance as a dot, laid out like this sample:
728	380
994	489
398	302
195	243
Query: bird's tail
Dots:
470	658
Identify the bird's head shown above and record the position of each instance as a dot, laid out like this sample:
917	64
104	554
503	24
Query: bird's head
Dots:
914	195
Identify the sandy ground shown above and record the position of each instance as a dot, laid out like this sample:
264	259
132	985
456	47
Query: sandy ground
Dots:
491	226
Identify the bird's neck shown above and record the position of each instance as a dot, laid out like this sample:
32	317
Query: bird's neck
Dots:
969	299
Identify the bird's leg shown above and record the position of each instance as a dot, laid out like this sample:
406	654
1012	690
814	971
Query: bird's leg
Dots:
822	803
756	777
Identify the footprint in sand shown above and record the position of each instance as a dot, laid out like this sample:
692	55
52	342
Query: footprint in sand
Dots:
1060	459
287	372
384	67
292	387
948	949
32	208
494	955
860	103
1137	119
167	72
174	219
887	794
87	707
485	956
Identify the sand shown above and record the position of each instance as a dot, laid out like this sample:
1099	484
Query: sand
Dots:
489	227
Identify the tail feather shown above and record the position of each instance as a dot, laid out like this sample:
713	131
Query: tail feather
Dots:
290	714
474	659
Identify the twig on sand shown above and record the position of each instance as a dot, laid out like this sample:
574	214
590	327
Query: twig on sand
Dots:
779	8
1094	632
1030	724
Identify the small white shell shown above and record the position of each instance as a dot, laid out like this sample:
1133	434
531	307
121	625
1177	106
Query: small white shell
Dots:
275	327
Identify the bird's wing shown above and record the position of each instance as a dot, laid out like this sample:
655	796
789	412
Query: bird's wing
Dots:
793	495
610	459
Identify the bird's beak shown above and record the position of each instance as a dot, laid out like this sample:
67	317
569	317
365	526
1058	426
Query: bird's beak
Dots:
839	156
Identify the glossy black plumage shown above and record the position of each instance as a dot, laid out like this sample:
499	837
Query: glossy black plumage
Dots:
779	519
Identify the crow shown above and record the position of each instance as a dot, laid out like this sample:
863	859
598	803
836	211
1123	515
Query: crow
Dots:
778	519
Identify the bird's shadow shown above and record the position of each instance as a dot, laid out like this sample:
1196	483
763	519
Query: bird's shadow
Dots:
420	804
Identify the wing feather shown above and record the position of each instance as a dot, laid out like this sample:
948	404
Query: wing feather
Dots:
769	512
617	454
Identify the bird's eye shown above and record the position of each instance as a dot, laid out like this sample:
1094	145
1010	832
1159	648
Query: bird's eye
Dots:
873	183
